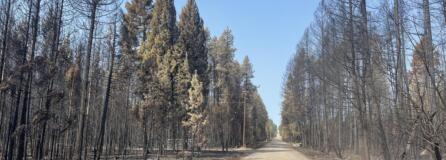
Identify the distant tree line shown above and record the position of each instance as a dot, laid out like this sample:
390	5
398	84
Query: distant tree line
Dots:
85	79
368	78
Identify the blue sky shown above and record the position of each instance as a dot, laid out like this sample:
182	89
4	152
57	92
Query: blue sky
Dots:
265	30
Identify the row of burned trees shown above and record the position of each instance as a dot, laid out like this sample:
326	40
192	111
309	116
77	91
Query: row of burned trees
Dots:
368	79
81	79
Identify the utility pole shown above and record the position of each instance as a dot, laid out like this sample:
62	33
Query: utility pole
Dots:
244	118
245	95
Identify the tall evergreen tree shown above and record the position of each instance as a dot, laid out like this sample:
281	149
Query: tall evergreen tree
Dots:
195	118
247	88
135	26
226	85
192	41
158	65
163	33
137	19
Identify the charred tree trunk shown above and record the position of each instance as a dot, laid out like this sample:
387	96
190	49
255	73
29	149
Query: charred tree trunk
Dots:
86	79
107	96
5	39
444	11
381	132
145	138
28	85
54	55
366	74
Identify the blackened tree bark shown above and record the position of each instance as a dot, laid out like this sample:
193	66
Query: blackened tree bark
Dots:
100	140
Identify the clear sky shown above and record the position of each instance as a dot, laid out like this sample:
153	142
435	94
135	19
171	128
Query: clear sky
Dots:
265	30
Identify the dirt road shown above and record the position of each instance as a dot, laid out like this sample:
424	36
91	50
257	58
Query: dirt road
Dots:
276	150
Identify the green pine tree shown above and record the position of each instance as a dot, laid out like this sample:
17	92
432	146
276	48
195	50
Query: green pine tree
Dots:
137	19
247	92
133	32
156	51
192	41
226	75
157	68
195	118
163	32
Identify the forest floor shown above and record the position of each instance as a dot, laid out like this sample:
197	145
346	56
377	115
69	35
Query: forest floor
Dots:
205	155
208	154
